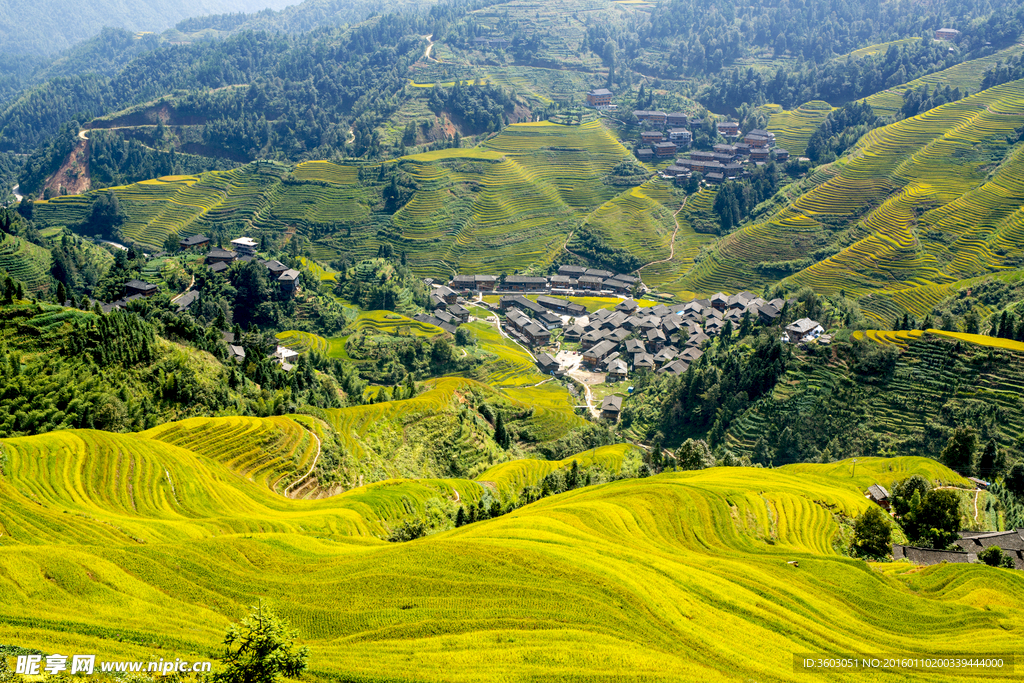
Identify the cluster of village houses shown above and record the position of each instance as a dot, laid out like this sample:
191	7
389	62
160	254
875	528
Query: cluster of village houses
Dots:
663	338
667	134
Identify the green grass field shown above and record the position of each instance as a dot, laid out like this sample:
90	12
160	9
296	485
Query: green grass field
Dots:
135	548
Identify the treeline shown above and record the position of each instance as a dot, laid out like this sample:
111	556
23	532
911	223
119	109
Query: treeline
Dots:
114	160
478	108
695	37
592	247
736	199
713	391
310	88
836	81
840	131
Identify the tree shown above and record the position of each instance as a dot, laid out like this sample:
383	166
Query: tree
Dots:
1014	480
935	520
959	451
501	436
460	517
990	462
695	455
464	336
172	243
993	556
872	533
260	649
903	491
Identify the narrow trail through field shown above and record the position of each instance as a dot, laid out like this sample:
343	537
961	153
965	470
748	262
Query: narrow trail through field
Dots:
976	492
502	333
672	243
14	191
311	468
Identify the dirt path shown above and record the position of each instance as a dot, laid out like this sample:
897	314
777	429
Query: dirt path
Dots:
187	289
589	395
671	244
430	47
311	468
976	492
14	191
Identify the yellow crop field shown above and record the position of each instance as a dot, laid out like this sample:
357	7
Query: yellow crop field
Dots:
138	549
904	337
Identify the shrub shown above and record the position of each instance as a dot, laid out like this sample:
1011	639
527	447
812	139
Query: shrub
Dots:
994	556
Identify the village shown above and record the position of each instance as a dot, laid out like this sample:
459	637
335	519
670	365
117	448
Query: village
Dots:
606	346
664	135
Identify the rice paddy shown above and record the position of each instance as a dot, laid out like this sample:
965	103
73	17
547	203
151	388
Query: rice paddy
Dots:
793	129
925	210
161	548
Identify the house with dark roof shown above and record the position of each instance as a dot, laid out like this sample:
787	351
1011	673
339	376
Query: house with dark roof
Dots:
643	361
186	300
139	287
590	282
449	295
598	352
677	118
644	154
218	267
617	370
655	117
572	271
524	283
878	494
601	97
218	255
665	149
193	241
459	312
611	407
236	353
536	334
275	268
803	330
546	363
573	333
289	281
628	306
549	320
648	136
676	367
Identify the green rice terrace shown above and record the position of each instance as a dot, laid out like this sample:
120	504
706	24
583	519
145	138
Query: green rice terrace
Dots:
147	545
915	208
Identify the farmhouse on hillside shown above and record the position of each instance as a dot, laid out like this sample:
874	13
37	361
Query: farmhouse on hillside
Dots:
803	330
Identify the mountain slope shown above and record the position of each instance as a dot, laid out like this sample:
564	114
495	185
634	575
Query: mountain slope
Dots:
915	204
633	580
45	27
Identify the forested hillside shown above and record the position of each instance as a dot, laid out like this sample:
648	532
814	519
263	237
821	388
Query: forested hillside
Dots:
45	27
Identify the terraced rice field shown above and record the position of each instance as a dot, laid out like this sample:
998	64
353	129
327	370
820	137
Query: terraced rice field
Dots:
669	275
182	205
272	451
639	220
979	381
504	206
921	195
904	338
793	129
628	581
966	76
513	476
25	262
